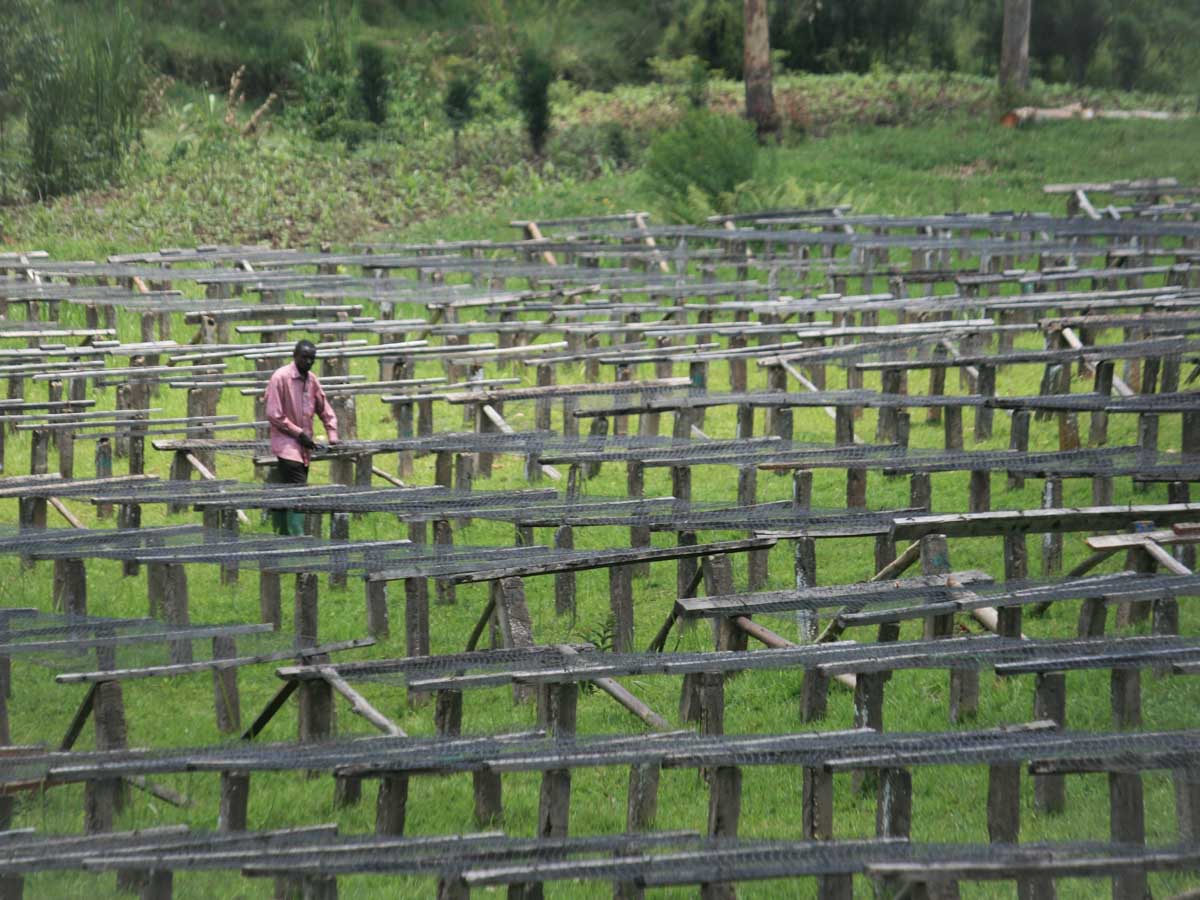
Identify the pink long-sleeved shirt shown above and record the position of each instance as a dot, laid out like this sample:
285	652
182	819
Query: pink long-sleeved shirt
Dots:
292	401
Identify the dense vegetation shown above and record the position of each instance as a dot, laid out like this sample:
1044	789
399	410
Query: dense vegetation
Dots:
80	82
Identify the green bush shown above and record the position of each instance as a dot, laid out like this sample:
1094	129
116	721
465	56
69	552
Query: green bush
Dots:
374	81
1129	52
84	106
699	163
331	93
535	73
458	103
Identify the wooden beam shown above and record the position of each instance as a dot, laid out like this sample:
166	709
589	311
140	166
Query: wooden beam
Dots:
359	705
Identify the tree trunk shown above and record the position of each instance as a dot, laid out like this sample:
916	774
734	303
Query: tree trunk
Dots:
760	101
1014	46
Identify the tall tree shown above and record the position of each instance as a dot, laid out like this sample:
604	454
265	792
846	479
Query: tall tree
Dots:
756	65
1014	45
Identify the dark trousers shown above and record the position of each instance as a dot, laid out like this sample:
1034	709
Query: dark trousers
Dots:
288	521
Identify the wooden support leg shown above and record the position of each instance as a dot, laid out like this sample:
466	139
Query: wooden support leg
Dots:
564	582
817	804
378	625
305	615
391	805
235	800
641	811
893	808
270	599
1052	542
724	811
516	626
1127	822
1018	440
175	608
1187	804
756	563
1004	804
225	687
814	694
339	530
620	592
1126	698
635	487
443	535
868	713
1050	702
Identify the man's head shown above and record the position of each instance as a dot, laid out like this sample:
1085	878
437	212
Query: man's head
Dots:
304	354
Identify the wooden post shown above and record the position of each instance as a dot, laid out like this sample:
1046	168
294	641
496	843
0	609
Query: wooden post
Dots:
984	414
554	802
1127	825
805	568
756	563
1018	440
564	582
641	812
443	535
225	687
378	624
270	599
1126	693
856	479
103	798
893	807
964	683
1004	804
175	608
235	800
1052	542
70	586
1050	702
516	626
620	592
339	530
1103	385
391	805
635	487
685	568
953	427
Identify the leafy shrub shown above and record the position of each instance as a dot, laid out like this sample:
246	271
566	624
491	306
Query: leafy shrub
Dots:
459	101
84	105
331	93
685	78
374	81
700	162
712	31
1128	51
459	104
535	73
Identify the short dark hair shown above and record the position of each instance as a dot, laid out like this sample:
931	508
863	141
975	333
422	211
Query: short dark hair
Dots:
304	344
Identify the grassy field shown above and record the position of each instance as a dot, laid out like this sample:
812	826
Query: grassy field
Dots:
227	191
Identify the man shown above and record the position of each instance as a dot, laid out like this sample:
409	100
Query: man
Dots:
294	396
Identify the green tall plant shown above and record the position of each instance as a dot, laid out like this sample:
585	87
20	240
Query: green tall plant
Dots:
374	81
694	168
535	74
84	107
459	104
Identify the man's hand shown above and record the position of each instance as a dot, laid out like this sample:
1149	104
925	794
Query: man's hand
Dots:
305	441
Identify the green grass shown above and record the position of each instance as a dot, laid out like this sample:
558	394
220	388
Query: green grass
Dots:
228	191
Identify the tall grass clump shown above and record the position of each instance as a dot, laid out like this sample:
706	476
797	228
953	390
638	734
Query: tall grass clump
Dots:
84	105
696	166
